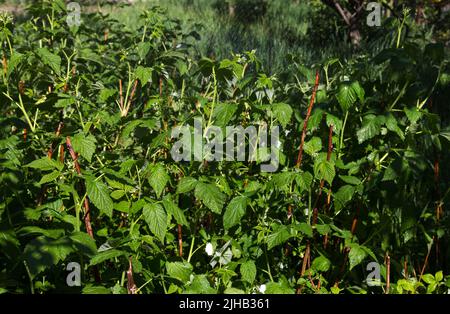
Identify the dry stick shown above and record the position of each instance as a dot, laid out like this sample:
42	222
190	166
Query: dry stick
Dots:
41	197
160	86
388	273
405	268
439	208
180	241
131	286
347	249
305	124
133	91
425	263
87	216
121	94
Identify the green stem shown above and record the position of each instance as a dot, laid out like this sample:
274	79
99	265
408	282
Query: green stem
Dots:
190	250
341	141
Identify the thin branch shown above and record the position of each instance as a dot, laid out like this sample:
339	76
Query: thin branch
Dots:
305	124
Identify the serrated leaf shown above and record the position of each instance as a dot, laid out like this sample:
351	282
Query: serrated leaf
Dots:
282	112
175	211
335	121
234	211
179	270
144	74
84	145
279	236
391	124
370	128
248	271
50	177
357	88
304	180
324	169
43	252
321	263
106	255
346	96
211	196
50	59
45	163
84	243
413	114
304	228
14	61
99	195
343	195
313	146
186	184
223	113
350	180
156	218
158	179
356	255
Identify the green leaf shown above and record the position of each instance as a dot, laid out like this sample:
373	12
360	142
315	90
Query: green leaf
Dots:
413	114
158	179
156	218
370	128
323	229
304	180
248	271
84	145
335	121
223	113
186	184
50	59
232	290
439	276
144	74
346	96
324	170
14	61
84	243
321	263
343	195
279	236
175	211
50	177
106	255
179	270
282	112
90	289
211	196
357	88
234	211
45	163
350	180
428	278
356	255
313	146
200	285
43	252
391	124
99	195
304	228
278	288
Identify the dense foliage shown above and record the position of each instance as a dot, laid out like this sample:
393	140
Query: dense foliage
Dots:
87	174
